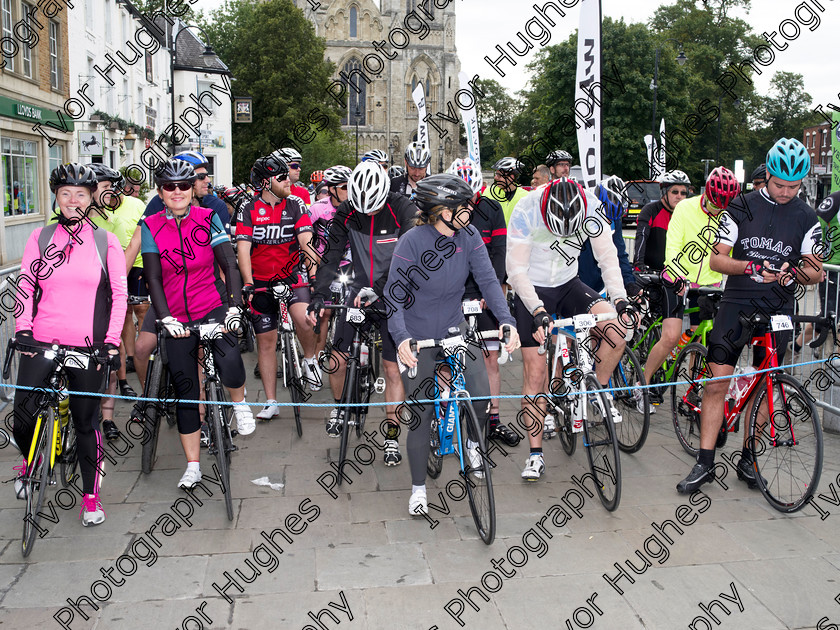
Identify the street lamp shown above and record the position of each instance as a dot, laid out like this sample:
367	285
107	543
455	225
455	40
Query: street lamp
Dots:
207	54
654	85
358	117
440	156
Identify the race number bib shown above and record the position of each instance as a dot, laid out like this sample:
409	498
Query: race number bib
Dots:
355	316
584	322
780	322
471	307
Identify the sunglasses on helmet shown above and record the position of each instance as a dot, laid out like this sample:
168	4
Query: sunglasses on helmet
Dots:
171	186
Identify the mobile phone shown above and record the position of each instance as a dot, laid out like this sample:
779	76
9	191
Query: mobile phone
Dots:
772	269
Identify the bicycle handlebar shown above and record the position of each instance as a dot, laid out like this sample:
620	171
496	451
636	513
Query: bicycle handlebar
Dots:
748	324
368	310
62	352
569	321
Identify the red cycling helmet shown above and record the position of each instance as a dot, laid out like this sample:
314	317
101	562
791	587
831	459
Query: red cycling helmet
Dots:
722	187
317	177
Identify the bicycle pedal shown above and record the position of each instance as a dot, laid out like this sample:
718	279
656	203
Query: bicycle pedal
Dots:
379	385
547	435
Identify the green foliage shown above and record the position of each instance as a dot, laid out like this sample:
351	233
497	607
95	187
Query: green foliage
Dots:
327	150
495	112
276	58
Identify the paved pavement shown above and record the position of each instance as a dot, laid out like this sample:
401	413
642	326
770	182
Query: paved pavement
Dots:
297	557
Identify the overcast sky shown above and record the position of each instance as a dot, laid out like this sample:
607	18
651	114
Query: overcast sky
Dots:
484	23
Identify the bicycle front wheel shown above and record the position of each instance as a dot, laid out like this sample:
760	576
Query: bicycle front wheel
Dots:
476	471
686	395
218	443
293	378
346	411
37	479
69	454
151	412
787	448
632	431
601	444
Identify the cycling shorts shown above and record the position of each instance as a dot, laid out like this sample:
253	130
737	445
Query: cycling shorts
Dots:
265	309
137	283
344	335
727	329
487	322
567	300
673	305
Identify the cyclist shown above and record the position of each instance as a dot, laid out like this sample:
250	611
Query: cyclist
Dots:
417	159
79	305
294	161
321	192
184	293
275	229
489	221
396	171
545	233
371	221
541	176
380	157
559	162
770	227
316	177
759	177
504	188
688	249
445	203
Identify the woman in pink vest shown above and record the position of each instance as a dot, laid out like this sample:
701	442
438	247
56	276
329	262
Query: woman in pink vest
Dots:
180	245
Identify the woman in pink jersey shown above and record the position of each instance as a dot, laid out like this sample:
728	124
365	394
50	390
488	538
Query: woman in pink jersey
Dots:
67	296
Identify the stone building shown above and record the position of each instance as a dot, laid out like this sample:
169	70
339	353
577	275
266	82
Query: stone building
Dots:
384	53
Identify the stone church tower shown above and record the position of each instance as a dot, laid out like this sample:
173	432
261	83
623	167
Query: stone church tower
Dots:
381	52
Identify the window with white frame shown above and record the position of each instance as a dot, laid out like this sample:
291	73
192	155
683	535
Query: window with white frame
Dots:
8	49
19	160
55	67
26	49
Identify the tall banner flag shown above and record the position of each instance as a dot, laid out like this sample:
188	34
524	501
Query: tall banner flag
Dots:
660	156
470	118
835	152
419	95
649	148
588	76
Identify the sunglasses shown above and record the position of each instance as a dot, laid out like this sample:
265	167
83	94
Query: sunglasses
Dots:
281	178
680	193
171	186
342	187
201	176
294	165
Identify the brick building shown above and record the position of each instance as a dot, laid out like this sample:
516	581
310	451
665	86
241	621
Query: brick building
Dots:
817	141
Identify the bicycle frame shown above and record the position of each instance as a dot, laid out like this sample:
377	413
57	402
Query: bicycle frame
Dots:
457	389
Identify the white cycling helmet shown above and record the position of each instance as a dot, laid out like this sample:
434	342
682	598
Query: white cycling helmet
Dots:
469	171
563	207
396	171
376	156
336	175
289	154
368	187
672	178
417	155
508	164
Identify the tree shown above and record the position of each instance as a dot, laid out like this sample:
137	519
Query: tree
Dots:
286	76
787	109
495	111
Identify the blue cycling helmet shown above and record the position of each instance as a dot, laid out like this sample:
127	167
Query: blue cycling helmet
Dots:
788	160
193	157
611	192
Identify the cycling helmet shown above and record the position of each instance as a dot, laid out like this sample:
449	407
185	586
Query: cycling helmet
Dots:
788	160
563	207
317	177
417	155
322	187
443	189
266	168
611	192
467	170
106	173
72	174
368	187
289	154
722	187
508	164
558	156
759	173
174	171
396	171
336	175
671	178
193	157
375	156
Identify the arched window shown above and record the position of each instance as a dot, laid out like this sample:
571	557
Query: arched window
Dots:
354	14
429	8
357	93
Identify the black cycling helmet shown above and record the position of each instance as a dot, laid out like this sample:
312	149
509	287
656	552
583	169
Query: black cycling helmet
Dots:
174	171
442	189
105	173
266	168
563	207
760	173
558	156
72	174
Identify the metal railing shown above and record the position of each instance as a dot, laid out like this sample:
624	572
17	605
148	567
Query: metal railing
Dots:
7	329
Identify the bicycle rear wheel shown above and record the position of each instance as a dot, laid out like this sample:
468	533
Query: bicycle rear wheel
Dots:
632	431
293	378
69	455
687	394
218	444
476	472
346	398
151	412
787	450
601	444
37	479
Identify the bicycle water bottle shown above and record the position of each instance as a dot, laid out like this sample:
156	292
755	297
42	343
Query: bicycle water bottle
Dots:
682	343
63	406
742	382
364	356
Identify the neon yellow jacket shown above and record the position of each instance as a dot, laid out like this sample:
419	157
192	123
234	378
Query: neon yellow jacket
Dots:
122	222
692	234
496	193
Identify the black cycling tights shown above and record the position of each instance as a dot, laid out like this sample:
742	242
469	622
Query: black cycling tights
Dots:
422	387
35	372
181	355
